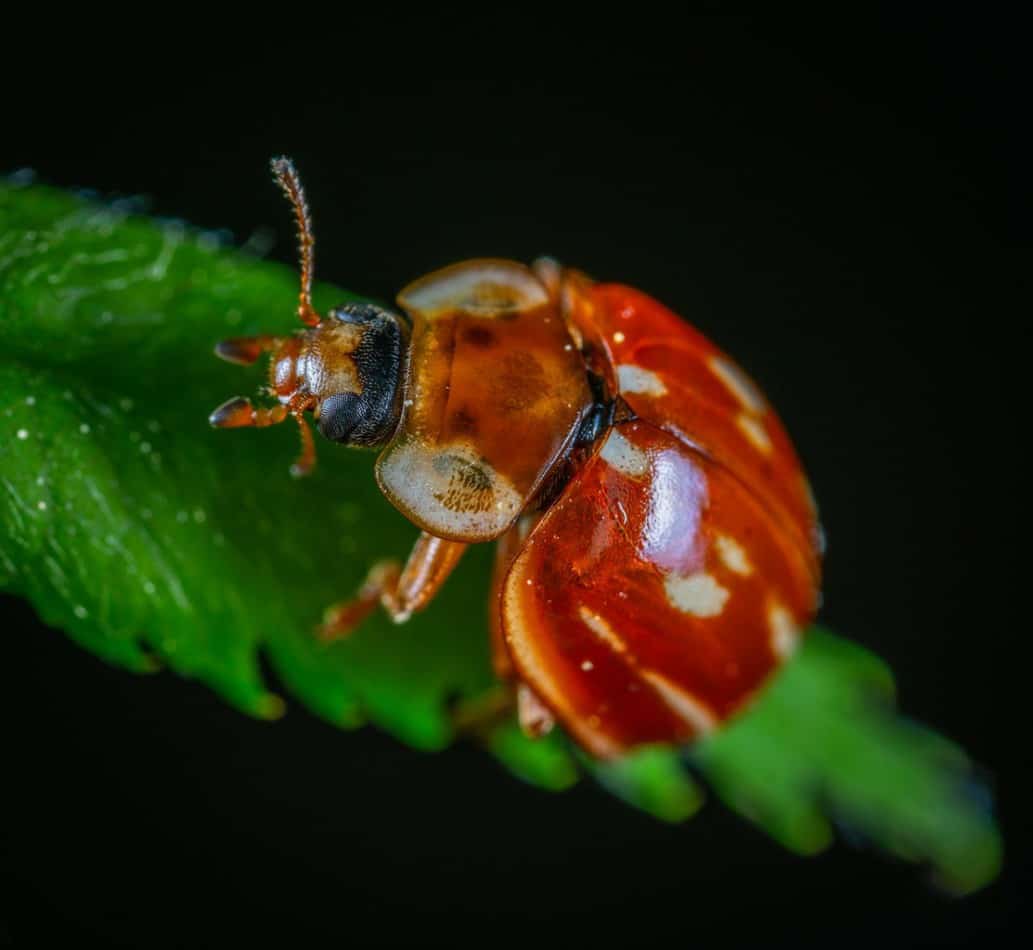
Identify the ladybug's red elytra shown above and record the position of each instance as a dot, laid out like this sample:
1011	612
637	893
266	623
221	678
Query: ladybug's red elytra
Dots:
658	548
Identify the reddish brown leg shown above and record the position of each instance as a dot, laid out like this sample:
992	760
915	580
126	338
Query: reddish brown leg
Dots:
238	413
534	716
401	592
482	714
306	461
244	350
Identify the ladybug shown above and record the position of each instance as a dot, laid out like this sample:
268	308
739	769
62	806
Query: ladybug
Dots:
658	550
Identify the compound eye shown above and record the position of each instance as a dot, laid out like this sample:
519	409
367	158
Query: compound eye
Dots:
340	415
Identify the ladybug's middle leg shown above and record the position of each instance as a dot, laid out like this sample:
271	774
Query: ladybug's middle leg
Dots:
400	591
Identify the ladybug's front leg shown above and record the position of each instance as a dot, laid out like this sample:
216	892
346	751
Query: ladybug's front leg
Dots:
400	591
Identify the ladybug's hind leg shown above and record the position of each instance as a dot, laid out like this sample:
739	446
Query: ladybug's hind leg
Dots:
400	591
535	718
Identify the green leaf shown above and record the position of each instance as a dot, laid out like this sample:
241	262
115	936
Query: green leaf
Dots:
154	540
824	743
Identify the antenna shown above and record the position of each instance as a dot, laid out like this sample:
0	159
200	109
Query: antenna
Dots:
287	177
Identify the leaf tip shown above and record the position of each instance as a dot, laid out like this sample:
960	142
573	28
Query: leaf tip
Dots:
271	706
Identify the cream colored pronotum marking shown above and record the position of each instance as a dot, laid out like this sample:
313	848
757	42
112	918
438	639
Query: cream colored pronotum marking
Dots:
433	482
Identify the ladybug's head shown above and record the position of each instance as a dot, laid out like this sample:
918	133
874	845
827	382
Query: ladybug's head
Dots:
345	369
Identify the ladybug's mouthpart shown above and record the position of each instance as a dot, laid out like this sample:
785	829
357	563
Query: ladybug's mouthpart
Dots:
239	413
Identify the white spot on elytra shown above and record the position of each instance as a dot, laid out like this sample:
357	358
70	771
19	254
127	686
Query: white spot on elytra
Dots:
732	555
785	635
694	712
602	630
738	384
697	594
636	379
618	337
754	430
22	434
587	665
623	456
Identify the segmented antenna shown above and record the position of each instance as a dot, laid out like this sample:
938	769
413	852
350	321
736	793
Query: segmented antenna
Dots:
287	177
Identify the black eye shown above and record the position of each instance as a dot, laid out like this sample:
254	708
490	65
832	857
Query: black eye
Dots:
340	416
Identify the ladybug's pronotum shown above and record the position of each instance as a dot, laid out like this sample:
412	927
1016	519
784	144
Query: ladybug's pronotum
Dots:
658	548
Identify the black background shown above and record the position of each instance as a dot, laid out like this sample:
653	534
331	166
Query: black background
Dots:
842	205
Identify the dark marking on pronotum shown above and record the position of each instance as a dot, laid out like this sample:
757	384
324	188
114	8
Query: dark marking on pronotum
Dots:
479	336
